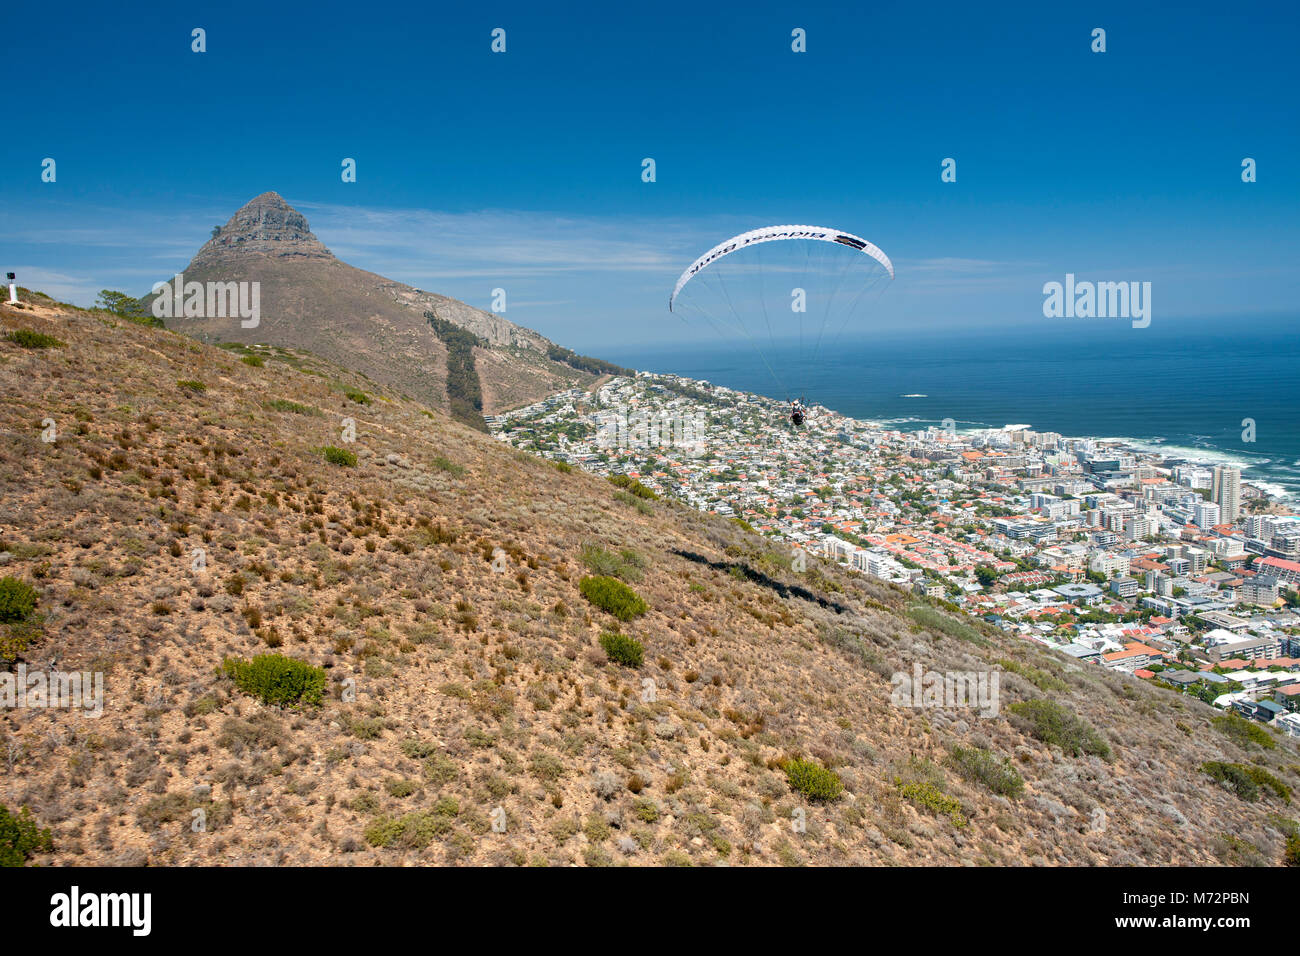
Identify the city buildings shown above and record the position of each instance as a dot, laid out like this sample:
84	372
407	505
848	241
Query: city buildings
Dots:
1111	556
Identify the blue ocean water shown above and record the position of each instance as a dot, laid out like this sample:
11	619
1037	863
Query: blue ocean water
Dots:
1183	385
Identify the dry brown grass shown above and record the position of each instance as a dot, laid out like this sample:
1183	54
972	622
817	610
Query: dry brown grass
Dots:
455	677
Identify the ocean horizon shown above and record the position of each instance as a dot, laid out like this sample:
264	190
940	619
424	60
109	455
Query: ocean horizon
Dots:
1182	389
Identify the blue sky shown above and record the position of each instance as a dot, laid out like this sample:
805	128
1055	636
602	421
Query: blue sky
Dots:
522	170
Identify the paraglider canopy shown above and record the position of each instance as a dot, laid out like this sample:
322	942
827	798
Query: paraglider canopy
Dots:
792	291
775	234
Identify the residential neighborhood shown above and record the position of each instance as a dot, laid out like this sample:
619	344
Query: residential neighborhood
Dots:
1172	570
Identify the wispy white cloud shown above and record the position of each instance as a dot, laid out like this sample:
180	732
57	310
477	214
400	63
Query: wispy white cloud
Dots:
426	244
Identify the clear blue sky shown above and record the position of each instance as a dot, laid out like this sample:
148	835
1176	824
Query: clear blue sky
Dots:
522	170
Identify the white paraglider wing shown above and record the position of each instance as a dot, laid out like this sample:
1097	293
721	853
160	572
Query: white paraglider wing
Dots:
774	234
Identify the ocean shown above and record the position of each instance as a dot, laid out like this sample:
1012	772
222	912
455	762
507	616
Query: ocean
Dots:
1181	386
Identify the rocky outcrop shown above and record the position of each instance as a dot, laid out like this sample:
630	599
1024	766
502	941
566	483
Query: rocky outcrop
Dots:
264	225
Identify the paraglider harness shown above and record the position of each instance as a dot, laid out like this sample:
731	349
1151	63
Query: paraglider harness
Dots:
798	412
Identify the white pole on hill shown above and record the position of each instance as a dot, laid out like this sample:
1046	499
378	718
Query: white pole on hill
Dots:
13	288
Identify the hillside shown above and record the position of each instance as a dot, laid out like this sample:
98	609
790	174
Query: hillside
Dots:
438	578
312	300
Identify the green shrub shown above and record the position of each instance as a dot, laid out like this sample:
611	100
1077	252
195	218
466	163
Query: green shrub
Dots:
627	564
1291	856
277	679
1235	776
400	788
622	649
16	636
33	340
191	385
547	767
256	361
633	486
1246	779
356	395
563	467
642	506
367	728
813	780
20	838
1059	726
419	749
1265	779
1039	678
1244	731
339	456
612	595
284	405
415	830
17	599
442	463
930	798
988	769
941	623
440	769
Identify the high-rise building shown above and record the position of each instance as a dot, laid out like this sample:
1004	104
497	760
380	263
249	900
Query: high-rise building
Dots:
1226	491
1137	528
1207	514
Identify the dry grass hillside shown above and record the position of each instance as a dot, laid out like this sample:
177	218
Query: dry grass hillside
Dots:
437	584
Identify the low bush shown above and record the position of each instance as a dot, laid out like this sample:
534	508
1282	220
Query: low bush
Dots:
1059	726
633	486
987	769
941	623
612	595
1041	679
20	838
17	599
622	649
1244	731
29	339
284	405
930	798
627	564
339	456
812	779
414	830
1246	779
276	679
443	463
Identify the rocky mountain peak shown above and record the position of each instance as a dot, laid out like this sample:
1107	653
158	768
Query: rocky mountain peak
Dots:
267	225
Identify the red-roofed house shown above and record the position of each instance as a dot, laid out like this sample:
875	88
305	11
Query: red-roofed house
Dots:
1134	656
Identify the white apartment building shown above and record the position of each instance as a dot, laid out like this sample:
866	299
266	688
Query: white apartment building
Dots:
1225	491
1206	514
